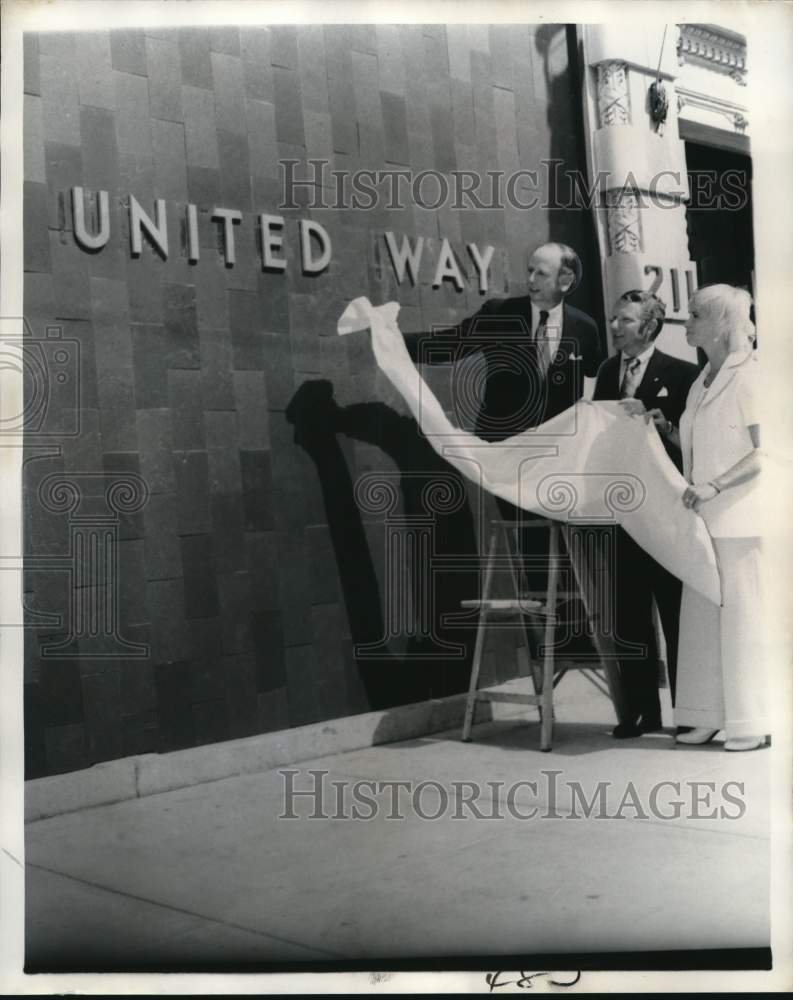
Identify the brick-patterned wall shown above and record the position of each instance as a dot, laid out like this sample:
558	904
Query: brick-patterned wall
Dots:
251	570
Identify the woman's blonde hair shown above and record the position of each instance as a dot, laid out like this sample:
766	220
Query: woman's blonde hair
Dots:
729	308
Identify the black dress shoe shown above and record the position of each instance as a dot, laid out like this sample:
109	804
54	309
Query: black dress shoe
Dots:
626	730
651	725
629	730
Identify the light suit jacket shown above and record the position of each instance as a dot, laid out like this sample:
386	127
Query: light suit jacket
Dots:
714	435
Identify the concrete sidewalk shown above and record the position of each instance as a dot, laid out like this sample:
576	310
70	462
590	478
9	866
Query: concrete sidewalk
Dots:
209	874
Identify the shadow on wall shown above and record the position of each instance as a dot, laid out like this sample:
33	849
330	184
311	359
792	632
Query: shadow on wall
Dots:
436	660
422	670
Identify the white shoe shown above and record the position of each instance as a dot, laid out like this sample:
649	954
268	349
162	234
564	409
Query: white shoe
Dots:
744	743
697	736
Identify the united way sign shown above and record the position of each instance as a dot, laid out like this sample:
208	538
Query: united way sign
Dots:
92	226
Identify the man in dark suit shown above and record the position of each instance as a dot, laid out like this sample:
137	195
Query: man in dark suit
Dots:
537	350
645	378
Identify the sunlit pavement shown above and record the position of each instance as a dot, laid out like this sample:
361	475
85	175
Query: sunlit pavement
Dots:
210	874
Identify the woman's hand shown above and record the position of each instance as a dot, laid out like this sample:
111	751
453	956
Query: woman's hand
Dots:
697	494
634	407
662	425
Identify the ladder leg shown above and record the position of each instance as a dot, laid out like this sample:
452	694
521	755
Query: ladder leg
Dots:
480	639
514	569
546	726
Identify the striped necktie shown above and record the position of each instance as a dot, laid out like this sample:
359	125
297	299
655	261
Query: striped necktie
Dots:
628	384
541	340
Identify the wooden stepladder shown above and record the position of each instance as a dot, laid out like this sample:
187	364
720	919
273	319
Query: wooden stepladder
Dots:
541	615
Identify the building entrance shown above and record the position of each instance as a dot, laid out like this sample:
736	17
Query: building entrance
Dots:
719	217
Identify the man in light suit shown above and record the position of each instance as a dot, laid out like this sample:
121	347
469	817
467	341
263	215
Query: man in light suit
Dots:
645	378
537	351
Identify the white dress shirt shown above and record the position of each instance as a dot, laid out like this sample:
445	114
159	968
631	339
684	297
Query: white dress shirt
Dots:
638	374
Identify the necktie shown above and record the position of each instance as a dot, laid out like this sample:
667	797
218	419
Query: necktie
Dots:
628	384
541	340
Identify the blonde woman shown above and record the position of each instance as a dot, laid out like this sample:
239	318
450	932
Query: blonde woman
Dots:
720	671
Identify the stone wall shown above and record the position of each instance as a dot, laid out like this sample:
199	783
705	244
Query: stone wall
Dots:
238	583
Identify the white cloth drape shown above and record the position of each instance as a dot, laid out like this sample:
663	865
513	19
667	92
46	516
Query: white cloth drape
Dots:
593	462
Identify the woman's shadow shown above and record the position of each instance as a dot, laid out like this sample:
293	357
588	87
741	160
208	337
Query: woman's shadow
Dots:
436	659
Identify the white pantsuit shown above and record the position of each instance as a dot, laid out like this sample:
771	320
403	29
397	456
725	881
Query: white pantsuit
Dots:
721	673
720	683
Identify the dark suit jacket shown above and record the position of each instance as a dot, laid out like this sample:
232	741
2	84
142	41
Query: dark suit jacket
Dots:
663	372
515	394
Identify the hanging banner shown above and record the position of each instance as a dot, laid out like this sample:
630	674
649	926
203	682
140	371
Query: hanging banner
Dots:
590	463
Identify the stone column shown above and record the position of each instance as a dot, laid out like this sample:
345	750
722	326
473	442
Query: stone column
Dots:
641	216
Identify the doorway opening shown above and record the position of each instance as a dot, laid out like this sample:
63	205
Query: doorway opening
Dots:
720	237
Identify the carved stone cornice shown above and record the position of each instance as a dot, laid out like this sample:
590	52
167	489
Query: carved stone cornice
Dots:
717	48
734	113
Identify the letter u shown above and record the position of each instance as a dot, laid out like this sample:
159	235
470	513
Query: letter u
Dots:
81	234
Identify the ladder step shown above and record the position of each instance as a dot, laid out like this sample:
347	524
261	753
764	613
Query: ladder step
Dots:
504	604
510	606
532	597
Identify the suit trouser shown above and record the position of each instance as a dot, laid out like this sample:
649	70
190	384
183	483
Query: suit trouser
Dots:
637	580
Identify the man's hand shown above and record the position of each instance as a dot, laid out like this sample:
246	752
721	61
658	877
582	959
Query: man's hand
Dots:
662	425
634	407
697	494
